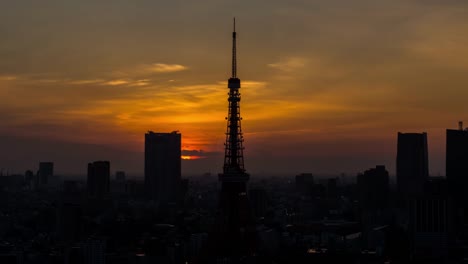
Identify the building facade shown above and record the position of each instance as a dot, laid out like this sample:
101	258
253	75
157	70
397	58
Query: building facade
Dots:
98	181
162	165
412	164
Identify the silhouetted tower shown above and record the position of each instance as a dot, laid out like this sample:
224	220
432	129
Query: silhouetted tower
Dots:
234	236
233	154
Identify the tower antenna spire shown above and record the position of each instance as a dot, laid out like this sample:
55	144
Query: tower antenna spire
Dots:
234	55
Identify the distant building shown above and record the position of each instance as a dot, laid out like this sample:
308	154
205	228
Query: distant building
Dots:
457	176
412	164
29	179
258	201
332	188
162	165
373	186
98	179
305	182
304	178
373	189
46	171
120	176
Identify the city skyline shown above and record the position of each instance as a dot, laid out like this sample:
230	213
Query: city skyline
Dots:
321	83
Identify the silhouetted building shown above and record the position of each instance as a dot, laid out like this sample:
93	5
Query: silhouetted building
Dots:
373	191
162	165
373	186
305	183
332	188
259	201
412	164
46	170
29	179
98	179
70	187
120	176
457	176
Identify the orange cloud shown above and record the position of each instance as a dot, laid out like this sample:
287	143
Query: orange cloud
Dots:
164	68
8	78
289	64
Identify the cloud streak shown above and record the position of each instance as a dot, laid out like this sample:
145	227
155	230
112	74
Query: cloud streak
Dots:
289	64
165	68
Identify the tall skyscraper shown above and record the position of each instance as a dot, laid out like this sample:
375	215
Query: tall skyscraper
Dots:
457	176
98	179
457	163
162	165
46	170
234	218
412	164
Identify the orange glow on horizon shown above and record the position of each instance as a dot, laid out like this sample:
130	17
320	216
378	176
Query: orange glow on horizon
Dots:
191	157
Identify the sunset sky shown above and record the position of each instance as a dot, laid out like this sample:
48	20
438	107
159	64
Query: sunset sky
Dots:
326	85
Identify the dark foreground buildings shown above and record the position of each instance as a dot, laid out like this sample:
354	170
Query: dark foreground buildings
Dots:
162	166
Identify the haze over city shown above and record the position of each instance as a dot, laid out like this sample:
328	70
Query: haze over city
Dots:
326	84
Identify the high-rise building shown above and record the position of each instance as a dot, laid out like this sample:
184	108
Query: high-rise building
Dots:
373	189
457	163
162	165
457	177
305	183
98	179
412	164
373	186
46	171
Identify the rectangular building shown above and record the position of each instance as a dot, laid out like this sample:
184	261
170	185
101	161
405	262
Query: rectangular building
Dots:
412	164
46	171
162	165
373	186
98	179
457	177
457	163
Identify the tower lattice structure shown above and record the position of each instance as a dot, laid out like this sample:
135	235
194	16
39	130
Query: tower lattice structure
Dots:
233	169
235	233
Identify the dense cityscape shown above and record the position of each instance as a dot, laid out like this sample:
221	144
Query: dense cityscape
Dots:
366	219
235	217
